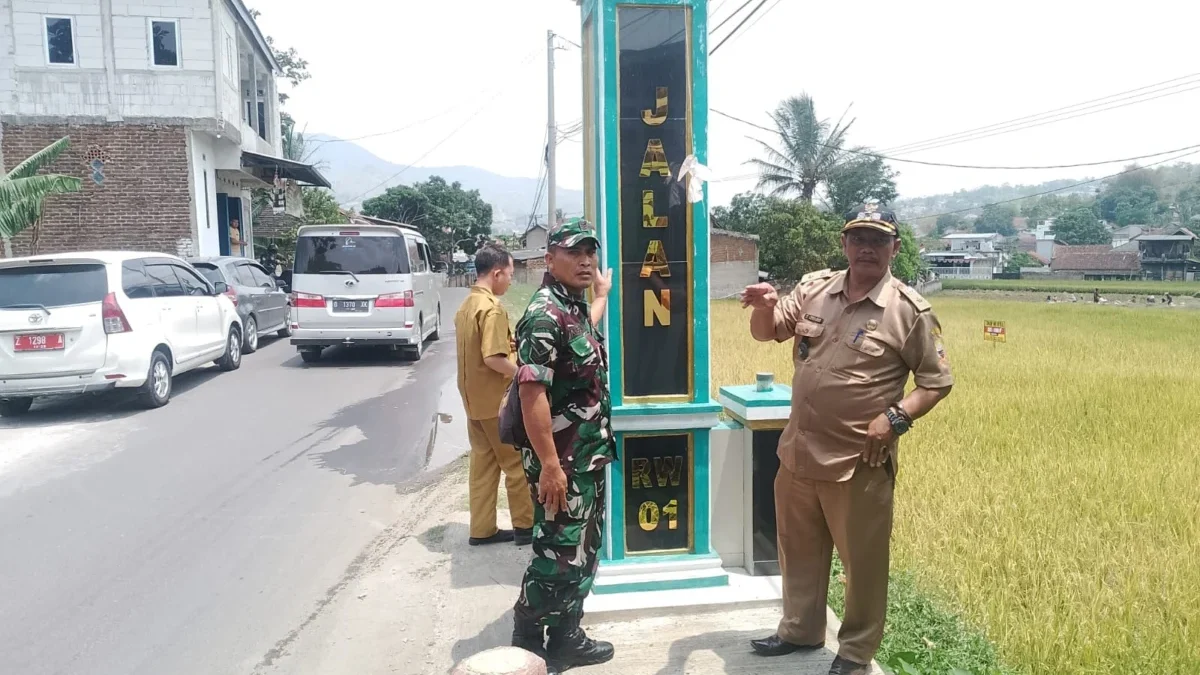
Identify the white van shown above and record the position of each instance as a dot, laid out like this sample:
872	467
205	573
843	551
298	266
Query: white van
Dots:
363	285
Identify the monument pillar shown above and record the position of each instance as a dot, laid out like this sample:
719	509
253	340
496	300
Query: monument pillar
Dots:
646	122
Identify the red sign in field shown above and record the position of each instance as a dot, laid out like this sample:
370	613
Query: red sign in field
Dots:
39	342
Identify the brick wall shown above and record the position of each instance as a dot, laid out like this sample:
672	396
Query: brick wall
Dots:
731	248
143	203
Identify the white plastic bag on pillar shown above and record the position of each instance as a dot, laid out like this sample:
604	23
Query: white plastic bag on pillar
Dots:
698	173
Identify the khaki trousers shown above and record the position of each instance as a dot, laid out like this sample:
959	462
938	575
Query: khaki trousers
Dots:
488	457
814	516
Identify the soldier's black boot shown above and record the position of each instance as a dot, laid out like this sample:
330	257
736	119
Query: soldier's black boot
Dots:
528	635
570	647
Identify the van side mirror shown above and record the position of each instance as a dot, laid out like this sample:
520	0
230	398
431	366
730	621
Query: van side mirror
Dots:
220	287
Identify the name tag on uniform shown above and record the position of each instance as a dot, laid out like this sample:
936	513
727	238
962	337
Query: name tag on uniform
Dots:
814	319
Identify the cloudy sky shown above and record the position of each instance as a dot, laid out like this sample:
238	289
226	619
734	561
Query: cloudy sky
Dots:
464	81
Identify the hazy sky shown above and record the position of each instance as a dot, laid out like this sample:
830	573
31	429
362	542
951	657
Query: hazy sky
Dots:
911	71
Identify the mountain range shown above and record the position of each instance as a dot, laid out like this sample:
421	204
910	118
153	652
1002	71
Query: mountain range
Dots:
358	174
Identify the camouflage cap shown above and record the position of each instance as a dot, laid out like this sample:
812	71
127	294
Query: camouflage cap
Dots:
571	233
869	215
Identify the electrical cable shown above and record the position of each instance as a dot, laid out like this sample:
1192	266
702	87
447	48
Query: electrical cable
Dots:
1082	113
499	93
1061	189
1035	116
969	166
738	27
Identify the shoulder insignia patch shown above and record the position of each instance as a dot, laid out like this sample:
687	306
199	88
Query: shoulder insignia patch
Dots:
914	297
816	276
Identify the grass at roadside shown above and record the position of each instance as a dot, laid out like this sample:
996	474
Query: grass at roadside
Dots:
1069	286
1051	500
515	301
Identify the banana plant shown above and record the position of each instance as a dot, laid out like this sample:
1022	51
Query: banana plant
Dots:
23	191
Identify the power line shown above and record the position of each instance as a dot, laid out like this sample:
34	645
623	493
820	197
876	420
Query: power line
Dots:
406	127
738	27
755	22
735	13
497	95
970	166
1034	116
1062	189
1081	113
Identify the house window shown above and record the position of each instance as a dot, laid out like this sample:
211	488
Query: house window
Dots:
230	59
164	43
60	40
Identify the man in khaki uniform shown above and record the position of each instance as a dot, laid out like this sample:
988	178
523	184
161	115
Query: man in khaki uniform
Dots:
485	369
857	335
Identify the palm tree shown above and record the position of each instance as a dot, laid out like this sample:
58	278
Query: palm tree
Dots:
810	151
23	193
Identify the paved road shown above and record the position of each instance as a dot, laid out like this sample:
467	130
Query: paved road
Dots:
199	538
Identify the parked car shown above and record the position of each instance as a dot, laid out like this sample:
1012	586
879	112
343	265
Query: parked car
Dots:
363	285
263	307
84	322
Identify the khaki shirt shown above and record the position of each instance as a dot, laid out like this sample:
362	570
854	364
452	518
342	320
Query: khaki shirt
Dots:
859	358
482	330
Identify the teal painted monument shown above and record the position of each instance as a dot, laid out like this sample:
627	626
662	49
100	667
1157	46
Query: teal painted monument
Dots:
645	147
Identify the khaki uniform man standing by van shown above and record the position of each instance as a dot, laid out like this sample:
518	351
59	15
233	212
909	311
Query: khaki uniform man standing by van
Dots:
485	369
857	335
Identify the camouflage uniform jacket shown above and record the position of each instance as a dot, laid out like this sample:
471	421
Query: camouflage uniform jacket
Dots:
558	346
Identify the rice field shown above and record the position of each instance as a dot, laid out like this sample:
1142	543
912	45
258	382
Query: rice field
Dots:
1177	288
1054	499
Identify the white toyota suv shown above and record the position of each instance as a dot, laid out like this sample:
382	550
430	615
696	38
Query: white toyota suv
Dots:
84	322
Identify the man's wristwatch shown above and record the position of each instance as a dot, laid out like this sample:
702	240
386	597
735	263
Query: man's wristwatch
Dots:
899	419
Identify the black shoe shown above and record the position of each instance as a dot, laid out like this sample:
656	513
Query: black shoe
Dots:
530	636
523	536
777	646
500	537
846	667
569	647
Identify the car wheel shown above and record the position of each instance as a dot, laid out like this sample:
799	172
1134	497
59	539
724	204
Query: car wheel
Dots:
416	352
12	407
286	331
437	326
250	344
157	390
232	360
310	355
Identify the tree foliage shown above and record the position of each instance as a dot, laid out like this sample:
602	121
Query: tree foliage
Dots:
908	265
947	222
1081	227
997	218
809	150
320	207
23	192
744	213
859	179
795	239
1021	259
1128	205
444	212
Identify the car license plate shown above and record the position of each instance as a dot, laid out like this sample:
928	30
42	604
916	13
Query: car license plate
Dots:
39	342
351	305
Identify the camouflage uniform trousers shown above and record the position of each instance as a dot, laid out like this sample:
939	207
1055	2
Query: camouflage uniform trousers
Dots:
566	550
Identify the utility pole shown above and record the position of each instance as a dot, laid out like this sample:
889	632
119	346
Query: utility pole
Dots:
551	131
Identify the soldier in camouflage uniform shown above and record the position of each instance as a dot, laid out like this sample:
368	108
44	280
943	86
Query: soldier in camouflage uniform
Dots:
563	380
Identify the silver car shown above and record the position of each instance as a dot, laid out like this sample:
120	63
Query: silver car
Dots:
262	305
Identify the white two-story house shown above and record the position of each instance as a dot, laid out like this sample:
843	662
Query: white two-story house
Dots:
173	115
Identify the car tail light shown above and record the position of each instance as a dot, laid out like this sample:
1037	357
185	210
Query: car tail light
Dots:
114	318
308	300
404	299
231	294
